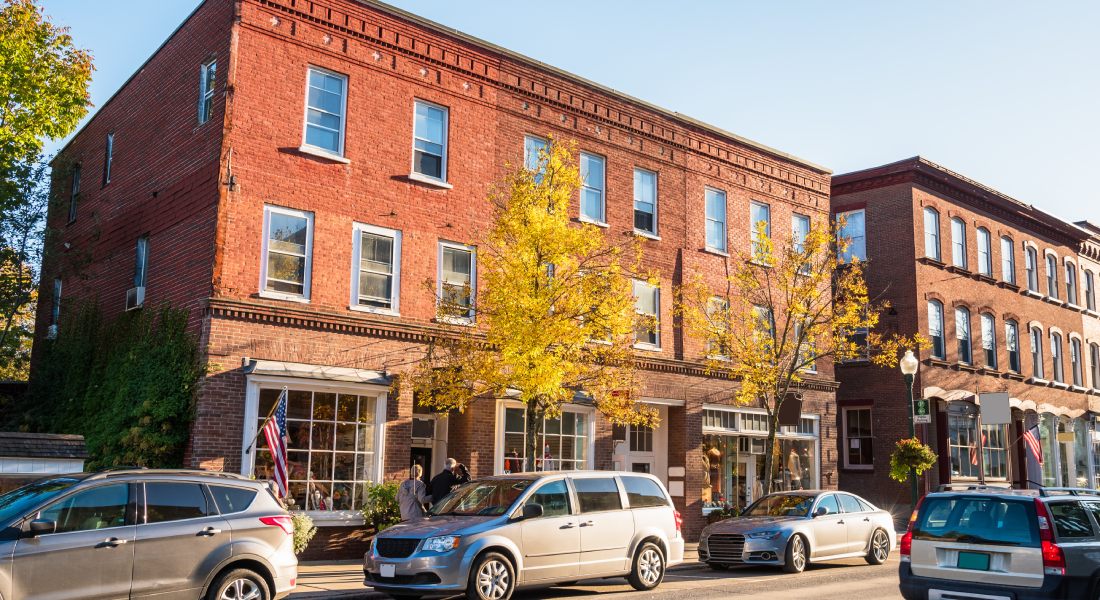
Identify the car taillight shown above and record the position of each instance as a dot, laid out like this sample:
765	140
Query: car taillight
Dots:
1054	560
678	519
905	545
283	522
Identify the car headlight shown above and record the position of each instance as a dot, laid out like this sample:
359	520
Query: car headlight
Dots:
770	534
443	543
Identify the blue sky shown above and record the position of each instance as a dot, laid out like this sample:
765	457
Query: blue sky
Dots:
1005	92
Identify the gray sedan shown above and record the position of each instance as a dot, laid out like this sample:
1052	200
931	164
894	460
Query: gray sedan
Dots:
792	529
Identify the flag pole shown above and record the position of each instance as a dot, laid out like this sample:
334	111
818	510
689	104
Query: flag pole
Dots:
260	430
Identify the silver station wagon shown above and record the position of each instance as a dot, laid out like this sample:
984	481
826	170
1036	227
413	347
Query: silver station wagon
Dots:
492	536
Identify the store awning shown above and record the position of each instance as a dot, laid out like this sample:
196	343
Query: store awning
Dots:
1022	404
276	368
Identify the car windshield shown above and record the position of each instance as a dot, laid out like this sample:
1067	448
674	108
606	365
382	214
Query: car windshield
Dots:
978	520
488	498
780	505
17	502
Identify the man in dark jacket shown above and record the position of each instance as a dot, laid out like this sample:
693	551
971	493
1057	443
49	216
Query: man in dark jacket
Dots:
441	484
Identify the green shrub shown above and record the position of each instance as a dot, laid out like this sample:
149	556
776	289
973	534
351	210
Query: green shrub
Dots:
304	530
380	508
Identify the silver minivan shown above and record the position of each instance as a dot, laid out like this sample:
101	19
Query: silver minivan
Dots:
145	534
494	535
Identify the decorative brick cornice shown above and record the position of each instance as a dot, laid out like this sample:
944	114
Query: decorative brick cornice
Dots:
393	329
528	79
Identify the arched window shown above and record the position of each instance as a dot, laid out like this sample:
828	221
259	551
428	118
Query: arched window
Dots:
1071	282
985	252
1036	336
962	334
1008	261
1094	364
1052	276
1056	357
1090	291
1075	362
989	340
935	329
1031	265
931	233
1012	344
958	243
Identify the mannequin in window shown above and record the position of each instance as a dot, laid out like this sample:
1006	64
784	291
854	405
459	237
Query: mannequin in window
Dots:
794	467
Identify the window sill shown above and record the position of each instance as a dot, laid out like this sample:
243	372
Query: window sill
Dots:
1008	285
716	251
325	154
1073	306
1037	381
468	322
964	366
647	347
993	371
432	181
1053	300
1078	389
287	297
937	362
1013	376
374	311
1092	313
1033	294
1059	385
960	270
718	357
584	219
647	235
932	261
986	278
858	468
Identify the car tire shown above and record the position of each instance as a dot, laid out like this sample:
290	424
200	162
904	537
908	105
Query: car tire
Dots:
797	554
491	578
879	548
648	570
239	584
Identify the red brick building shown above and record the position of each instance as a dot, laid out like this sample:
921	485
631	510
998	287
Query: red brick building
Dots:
996	284
297	170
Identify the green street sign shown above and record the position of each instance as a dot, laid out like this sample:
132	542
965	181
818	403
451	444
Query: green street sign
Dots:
921	414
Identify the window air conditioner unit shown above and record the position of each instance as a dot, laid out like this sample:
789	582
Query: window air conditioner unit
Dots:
135	297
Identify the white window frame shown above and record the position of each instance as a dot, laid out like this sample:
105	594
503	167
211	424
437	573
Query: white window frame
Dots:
845	439
108	158
310	148
531	161
1094	365
206	90
358	229
958	243
989	339
985	252
498	447
752	224
1071	282
1057	363
413	173
1031	268
656	196
963	313
849	253
932	235
141	261
707	218
1090	290
1038	364
1008	260
468	320
1012	325
55	303
941	315
1076	362
253	385
656	289
1051	259
270	209
602	218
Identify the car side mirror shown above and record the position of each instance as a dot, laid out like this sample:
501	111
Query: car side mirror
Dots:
532	511
42	527
821	512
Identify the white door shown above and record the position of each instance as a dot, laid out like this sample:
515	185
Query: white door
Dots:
744	481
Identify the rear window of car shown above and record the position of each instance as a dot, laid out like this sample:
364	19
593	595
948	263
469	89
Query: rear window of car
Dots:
849	503
174	502
978	520
231	499
597	493
1070	520
643	492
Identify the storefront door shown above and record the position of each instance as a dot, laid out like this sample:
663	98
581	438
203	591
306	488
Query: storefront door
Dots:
745	481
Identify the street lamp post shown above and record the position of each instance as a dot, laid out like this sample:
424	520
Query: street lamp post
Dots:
909	365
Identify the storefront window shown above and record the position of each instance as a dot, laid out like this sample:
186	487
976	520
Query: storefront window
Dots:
1081	452
564	442
331	450
962	423
995	452
1048	430
1095	437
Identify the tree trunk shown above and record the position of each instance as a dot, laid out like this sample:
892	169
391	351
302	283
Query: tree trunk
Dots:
531	447
769	453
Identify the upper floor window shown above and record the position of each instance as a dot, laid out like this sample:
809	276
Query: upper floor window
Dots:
1056	356
1031	265
430	140
1075	362
457	280
326	103
935	329
592	188
647	304
932	233
288	249
985	252
853	229
108	158
1052	276
1090	290
74	192
376	275
55	303
958	243
1071	282
800	230
1036	336
1008	260
141	260
962	334
645	201
718	309
207	75
533	150
716	219
860	440
1012	344
1094	366
989	340
760	215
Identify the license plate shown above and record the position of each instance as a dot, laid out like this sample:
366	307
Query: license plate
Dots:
387	570
975	561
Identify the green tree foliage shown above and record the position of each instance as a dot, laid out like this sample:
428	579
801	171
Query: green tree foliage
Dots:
22	226
127	385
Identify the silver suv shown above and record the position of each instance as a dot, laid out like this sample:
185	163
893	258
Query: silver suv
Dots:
999	544
494	535
145	533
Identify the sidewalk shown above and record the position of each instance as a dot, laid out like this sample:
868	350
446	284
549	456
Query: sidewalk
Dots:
344	579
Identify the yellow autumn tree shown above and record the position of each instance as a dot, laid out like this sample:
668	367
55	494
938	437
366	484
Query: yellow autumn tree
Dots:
781	310
553	315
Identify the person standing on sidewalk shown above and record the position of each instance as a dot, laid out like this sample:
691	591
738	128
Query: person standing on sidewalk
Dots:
441	484
412	494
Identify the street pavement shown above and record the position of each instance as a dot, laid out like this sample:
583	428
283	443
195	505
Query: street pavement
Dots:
840	580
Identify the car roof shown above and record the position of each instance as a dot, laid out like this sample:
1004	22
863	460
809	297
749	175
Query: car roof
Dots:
573	474
129	473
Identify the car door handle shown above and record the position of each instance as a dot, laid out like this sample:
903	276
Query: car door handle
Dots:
111	543
567	526
588	524
866	519
840	522
209	531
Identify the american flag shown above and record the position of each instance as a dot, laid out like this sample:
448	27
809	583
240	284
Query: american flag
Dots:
275	433
1031	438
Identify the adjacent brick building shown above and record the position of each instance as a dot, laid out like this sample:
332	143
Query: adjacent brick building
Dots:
295	171
996	284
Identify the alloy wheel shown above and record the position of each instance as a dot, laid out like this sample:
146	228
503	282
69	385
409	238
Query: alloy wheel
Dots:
880	545
798	553
241	589
493	581
650	566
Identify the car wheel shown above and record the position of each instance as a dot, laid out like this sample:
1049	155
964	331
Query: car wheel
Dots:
239	584
649	568
880	548
794	560
491	578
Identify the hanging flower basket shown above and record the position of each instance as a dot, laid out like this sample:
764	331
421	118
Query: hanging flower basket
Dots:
910	453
